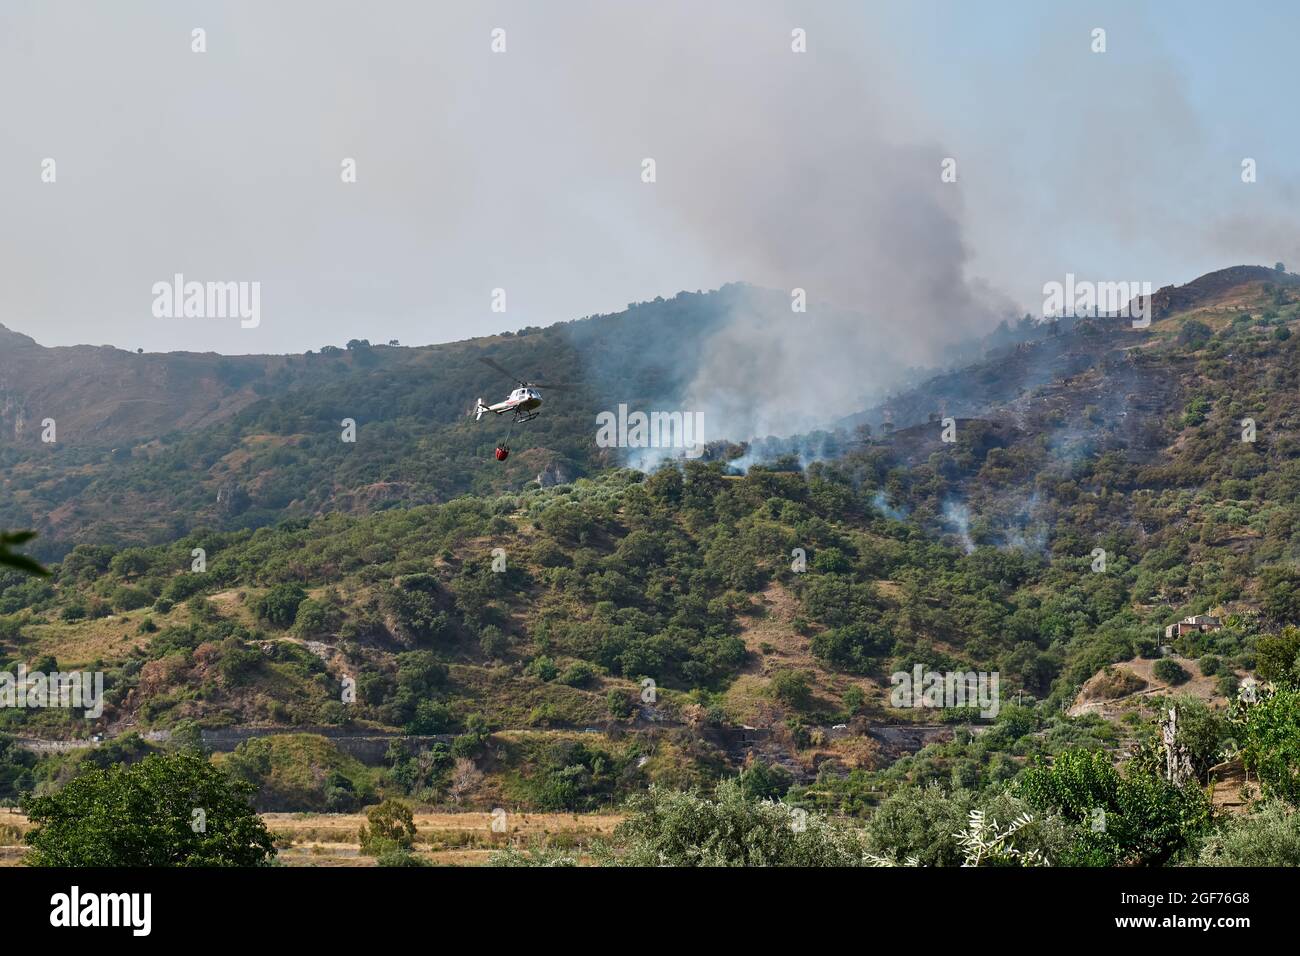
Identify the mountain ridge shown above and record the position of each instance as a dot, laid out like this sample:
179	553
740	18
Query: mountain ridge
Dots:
249	440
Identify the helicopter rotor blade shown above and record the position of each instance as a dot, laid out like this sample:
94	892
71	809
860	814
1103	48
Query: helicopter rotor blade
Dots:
492	364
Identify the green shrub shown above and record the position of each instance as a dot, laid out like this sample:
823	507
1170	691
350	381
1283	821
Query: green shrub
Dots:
763	781
542	667
391	828
129	599
1170	671
493	642
1267	836
1275	655
791	687
400	858
414	604
578	674
728	828
279	606
1271	745
1136	818
855	648
619	704
316	619
142	814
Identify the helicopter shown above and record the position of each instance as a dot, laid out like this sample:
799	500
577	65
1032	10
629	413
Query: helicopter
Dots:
522	404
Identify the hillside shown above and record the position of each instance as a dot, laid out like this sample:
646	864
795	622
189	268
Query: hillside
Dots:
512	631
153	446
150	446
101	396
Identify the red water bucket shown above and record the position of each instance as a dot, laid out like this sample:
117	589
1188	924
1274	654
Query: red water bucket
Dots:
502	453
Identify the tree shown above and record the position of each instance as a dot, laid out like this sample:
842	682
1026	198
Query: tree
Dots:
1170	671
493	642
465	778
984	843
763	781
1136	818
1201	731
854	648
619	704
1275	656
279	606
392	827
316	618
130	563
16	770
1271	745
1280	592
921	823
413	604
672	828
167	810
19	561
129	599
791	687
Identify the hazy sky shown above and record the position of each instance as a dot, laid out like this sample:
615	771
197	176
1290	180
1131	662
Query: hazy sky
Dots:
522	170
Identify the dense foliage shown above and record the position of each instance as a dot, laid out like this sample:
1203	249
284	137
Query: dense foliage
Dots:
173	810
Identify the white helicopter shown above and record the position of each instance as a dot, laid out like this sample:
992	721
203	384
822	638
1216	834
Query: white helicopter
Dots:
523	403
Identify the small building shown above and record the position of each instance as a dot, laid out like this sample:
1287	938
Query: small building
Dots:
1197	622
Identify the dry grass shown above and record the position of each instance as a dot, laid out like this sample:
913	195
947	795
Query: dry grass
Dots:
79	643
774	644
1199	686
232	608
446	839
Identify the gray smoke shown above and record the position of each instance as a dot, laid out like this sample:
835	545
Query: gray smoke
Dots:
811	189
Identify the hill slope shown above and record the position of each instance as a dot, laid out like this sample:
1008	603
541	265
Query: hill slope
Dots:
527	619
151	446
